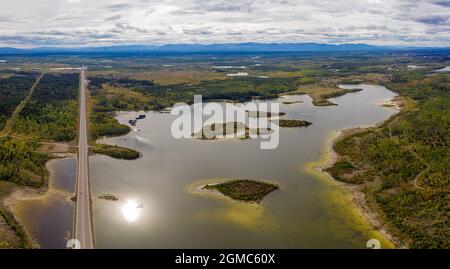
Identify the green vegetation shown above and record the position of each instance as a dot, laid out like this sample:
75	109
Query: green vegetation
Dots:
51	113
291	102
293	123
116	152
109	197
106	100
264	114
221	130
8	237
407	158
320	94
147	95
103	124
19	239
45	116
13	90
244	190
215	130
401	165
350	81
11	233
21	164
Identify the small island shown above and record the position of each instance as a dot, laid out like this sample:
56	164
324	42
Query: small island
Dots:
291	102
293	123
222	130
264	114
109	197
244	189
117	152
134	122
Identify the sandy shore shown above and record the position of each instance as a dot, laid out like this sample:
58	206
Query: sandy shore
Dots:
22	194
329	157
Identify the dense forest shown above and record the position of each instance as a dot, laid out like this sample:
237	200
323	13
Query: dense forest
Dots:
104	124
20	163
409	156
51	113
160	96
13	90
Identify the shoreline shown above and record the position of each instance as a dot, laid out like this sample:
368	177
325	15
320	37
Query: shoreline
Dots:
26	194
328	158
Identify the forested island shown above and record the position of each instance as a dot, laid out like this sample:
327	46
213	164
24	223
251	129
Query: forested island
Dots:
224	130
293	123
244	189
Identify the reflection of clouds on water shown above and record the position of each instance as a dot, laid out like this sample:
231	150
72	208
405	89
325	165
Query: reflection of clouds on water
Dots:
445	69
143	140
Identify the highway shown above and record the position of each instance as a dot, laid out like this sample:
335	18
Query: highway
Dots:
83	215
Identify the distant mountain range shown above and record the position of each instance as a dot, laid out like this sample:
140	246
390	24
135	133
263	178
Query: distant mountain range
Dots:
225	47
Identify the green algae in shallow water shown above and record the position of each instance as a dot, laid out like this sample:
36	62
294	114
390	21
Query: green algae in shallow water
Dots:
341	209
250	216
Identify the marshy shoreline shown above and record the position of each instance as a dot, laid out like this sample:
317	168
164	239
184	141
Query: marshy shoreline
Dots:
25	194
329	157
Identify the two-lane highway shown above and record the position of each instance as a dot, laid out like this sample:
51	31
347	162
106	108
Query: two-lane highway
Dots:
83	215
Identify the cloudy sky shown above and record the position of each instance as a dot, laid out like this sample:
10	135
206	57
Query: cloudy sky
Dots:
31	23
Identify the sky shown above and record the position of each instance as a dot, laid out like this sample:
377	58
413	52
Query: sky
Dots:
77	23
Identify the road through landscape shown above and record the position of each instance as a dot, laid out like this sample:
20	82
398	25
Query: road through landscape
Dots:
83	216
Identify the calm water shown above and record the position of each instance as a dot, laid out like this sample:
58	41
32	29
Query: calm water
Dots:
49	219
445	69
156	210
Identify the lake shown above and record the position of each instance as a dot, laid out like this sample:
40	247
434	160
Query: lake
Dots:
444	69
157	209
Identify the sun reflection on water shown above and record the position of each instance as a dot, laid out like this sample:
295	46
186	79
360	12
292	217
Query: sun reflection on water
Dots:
131	210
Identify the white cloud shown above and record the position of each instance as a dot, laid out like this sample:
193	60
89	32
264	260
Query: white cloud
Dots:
107	22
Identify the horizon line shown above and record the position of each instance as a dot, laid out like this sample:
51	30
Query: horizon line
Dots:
218	43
